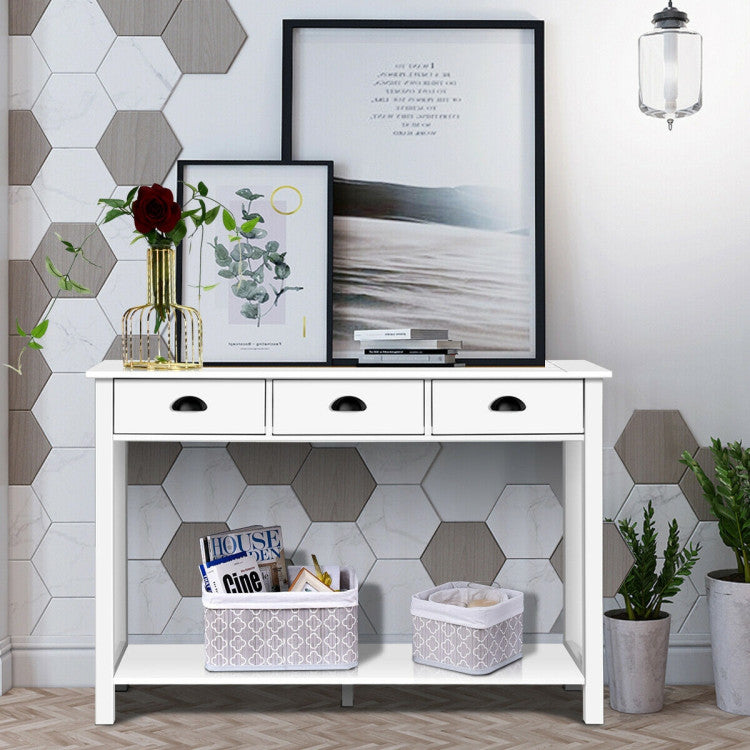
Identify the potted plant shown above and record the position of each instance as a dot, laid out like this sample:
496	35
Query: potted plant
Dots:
729	590
636	638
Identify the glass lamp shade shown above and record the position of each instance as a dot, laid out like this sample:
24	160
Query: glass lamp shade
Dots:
670	68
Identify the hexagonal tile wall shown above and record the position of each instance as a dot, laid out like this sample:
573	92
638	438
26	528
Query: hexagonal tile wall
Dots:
714	555
152	521
398	521
618	559
272	505
542	592
463	551
119	234
152	597
269	463
204	484
558	560
616	482
182	556
28	147
28	297
73	110
681	604
27	222
73	543
651	444
152	72
204	36
27	522
139	148
23	15
28	72
27	597
149	463
333	484
73	36
66	484
23	390
336	544
91	275
124	288
187	619
138	17
668	502
67	616
28	447
398	463
527	520
692	490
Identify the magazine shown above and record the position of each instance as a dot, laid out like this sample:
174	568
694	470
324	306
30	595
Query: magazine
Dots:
235	574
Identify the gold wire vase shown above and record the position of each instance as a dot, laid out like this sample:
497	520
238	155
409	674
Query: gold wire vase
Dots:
162	335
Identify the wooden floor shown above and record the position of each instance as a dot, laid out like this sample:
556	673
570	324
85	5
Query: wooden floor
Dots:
382	717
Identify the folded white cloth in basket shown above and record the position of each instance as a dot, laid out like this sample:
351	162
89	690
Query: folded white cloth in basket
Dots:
469	596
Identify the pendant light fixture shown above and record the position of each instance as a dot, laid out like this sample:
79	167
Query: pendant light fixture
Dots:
670	61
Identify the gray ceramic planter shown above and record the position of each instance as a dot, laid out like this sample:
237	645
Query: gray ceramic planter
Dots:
636	652
729	617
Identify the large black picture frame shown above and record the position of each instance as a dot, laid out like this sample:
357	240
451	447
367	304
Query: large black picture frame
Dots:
299	36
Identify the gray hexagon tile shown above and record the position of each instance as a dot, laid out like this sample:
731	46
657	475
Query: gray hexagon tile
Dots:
152	597
669	503
491	466
697	622
618	560
152	72
28	72
558	560
336	544
73	36
617	483
182	556
398	521
27	222
187	619
69	616
28	147
73	110
28	447
385	595
463	551
139	148
138	17
65	410
23	390
78	335
27	597
333	484
651	444
398	463
92	275
692	490
64	200
714	555
27	522
272	505
364	626
268	463
28	297
204	484
152	521
66	484
149	463
72	543
23	15
542	592
527	520
204	36
124	288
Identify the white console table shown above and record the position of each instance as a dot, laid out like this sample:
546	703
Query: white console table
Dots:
561	401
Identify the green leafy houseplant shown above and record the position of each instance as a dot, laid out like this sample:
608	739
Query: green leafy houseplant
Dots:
729	498
643	590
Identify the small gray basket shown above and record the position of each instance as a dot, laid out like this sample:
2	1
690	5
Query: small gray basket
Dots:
476	640
283	630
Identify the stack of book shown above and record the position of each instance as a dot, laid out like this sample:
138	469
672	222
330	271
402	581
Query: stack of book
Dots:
406	346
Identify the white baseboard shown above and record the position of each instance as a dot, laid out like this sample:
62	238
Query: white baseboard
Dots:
6	668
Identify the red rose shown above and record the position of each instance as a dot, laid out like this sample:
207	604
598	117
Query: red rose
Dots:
155	208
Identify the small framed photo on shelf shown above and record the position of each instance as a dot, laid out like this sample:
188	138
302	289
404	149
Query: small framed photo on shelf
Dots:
260	272
307	581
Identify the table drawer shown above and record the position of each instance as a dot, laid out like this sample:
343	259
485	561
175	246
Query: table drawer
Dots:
524	408
324	407
232	407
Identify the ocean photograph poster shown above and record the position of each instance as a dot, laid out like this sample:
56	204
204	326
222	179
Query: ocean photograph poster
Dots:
260	274
436	132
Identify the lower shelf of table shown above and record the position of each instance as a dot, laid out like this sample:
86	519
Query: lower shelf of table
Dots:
379	664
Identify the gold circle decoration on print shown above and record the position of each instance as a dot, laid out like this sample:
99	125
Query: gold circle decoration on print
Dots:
286	194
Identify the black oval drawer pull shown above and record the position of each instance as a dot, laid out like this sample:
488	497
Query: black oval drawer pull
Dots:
507	403
348	403
189	403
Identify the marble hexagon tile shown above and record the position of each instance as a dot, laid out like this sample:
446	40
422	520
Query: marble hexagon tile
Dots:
27	522
67	616
124	288
27	597
152	597
398	463
66	484
542	590
187	619
65	410
27	222
714	555
152	521
336	544
28	72
73	543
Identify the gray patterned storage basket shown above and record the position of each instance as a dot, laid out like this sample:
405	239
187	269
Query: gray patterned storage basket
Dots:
283	630
475	640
